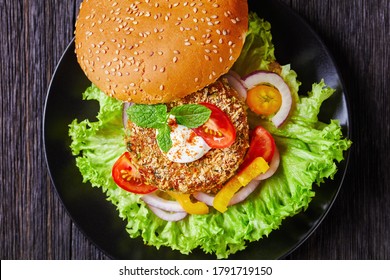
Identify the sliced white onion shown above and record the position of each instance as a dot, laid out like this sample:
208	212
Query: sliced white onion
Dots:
167	216
272	167
125	118
206	198
244	192
235	81
261	77
168	205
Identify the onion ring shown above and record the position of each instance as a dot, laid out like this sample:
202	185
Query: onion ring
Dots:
167	216
161	203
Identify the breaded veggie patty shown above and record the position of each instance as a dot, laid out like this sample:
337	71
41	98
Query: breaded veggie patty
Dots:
206	174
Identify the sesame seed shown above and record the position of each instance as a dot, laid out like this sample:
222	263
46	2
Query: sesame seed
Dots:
162	69
206	57
154	67
187	43
174	59
161	87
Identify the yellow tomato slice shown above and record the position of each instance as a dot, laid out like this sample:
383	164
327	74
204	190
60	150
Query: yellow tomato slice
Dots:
264	100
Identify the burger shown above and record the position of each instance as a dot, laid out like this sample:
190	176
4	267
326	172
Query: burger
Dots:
173	53
201	139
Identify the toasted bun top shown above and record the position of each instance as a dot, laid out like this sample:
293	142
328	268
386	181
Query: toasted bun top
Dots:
156	51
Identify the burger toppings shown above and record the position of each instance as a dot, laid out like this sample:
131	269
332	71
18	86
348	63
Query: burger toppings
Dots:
157	116
209	172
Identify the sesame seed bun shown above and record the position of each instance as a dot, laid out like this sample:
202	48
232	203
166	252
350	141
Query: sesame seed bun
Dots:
157	51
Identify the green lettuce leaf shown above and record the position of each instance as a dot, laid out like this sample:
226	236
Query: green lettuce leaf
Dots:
309	152
258	50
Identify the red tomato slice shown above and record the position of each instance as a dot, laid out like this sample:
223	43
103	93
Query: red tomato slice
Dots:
218	132
262	144
128	177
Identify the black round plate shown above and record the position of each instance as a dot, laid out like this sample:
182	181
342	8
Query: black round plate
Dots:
295	43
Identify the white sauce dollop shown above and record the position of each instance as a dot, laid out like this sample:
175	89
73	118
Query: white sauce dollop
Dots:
187	146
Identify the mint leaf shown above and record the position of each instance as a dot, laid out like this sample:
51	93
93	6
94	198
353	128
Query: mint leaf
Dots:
149	116
191	115
164	138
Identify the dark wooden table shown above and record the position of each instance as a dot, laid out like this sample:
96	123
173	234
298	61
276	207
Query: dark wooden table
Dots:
35	225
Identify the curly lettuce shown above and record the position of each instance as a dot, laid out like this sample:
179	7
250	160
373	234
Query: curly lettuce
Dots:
309	152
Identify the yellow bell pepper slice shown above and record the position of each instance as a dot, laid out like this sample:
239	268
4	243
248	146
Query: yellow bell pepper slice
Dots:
188	205
254	169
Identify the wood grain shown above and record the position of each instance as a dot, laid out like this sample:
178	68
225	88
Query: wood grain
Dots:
34	224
